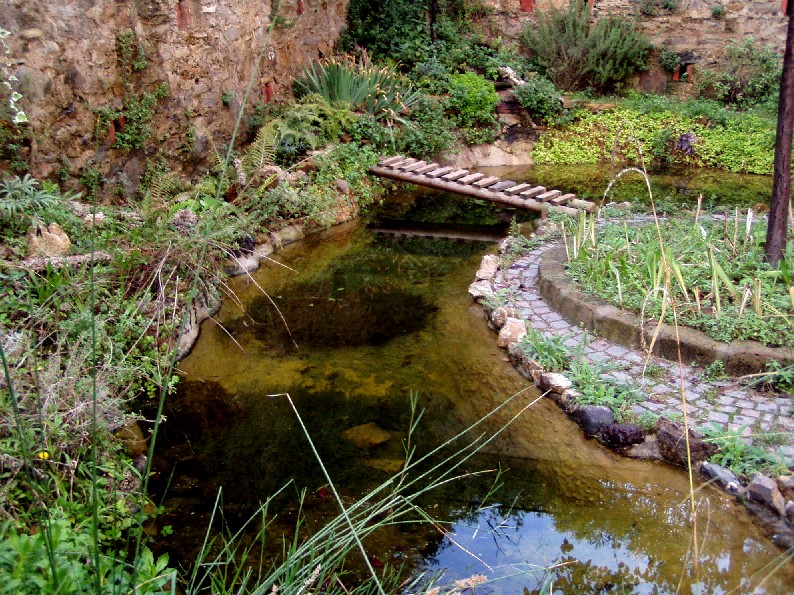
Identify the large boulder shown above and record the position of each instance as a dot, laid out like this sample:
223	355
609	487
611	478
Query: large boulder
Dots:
513	331
764	489
673	444
480	290
47	240
721	477
622	435
593	419
488	267
366	435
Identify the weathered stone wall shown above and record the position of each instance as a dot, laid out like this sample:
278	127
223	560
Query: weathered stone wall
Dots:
205	50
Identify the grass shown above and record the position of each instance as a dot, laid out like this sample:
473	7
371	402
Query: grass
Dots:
718	278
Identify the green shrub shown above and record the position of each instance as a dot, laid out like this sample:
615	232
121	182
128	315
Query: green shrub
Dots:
670	60
540	98
751	76
23	197
575	54
472	100
427	131
718	11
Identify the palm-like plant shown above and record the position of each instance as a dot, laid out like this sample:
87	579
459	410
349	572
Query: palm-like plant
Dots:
347	83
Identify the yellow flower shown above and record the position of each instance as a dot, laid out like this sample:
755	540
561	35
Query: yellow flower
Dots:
43	455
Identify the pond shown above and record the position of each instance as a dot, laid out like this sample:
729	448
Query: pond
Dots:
364	321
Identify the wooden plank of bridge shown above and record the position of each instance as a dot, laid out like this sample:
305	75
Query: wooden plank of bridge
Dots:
471	178
562	199
426	168
502	186
516	189
392	160
407	163
585	205
415	166
489	181
547	196
533	192
437	173
452	176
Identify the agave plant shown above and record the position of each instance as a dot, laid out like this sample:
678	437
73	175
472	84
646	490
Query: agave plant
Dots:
359	86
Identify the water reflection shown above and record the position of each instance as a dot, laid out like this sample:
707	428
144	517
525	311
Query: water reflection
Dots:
371	320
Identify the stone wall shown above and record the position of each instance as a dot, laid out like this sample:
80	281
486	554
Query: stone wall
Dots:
205	50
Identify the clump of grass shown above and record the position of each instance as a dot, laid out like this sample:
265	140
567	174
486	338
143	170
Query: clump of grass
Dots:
718	278
740	456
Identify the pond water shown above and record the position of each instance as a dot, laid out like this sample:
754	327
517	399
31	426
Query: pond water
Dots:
365	320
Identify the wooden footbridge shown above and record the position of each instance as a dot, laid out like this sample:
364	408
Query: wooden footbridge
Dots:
462	181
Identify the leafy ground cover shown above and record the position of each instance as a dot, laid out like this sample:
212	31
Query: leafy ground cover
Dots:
711	270
666	132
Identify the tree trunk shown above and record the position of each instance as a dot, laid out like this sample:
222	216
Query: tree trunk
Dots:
433	15
781	182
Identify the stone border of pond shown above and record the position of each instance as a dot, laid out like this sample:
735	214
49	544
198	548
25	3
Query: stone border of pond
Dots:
523	284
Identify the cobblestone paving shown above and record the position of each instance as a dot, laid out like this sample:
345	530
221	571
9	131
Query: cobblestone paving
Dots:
727	402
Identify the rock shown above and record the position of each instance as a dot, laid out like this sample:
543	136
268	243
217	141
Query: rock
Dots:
185	221
647	451
488	267
297	178
500	315
291	233
790	511
785	484
239	265
513	331
720	476
366	435
342	186
672	444
31	34
263	250
764	490
622	435
556	383
479	290
49	240
132	438
567	399
593	419
94	219
390	466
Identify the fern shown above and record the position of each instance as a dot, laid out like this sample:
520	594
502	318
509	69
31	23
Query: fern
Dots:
160	191
262	152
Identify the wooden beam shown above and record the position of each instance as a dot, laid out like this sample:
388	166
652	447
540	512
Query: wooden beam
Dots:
502	186
392	160
533	192
427	168
518	188
471	178
489	181
452	176
415	166
437	173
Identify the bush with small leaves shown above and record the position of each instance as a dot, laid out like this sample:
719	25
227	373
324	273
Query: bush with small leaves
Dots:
540	98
